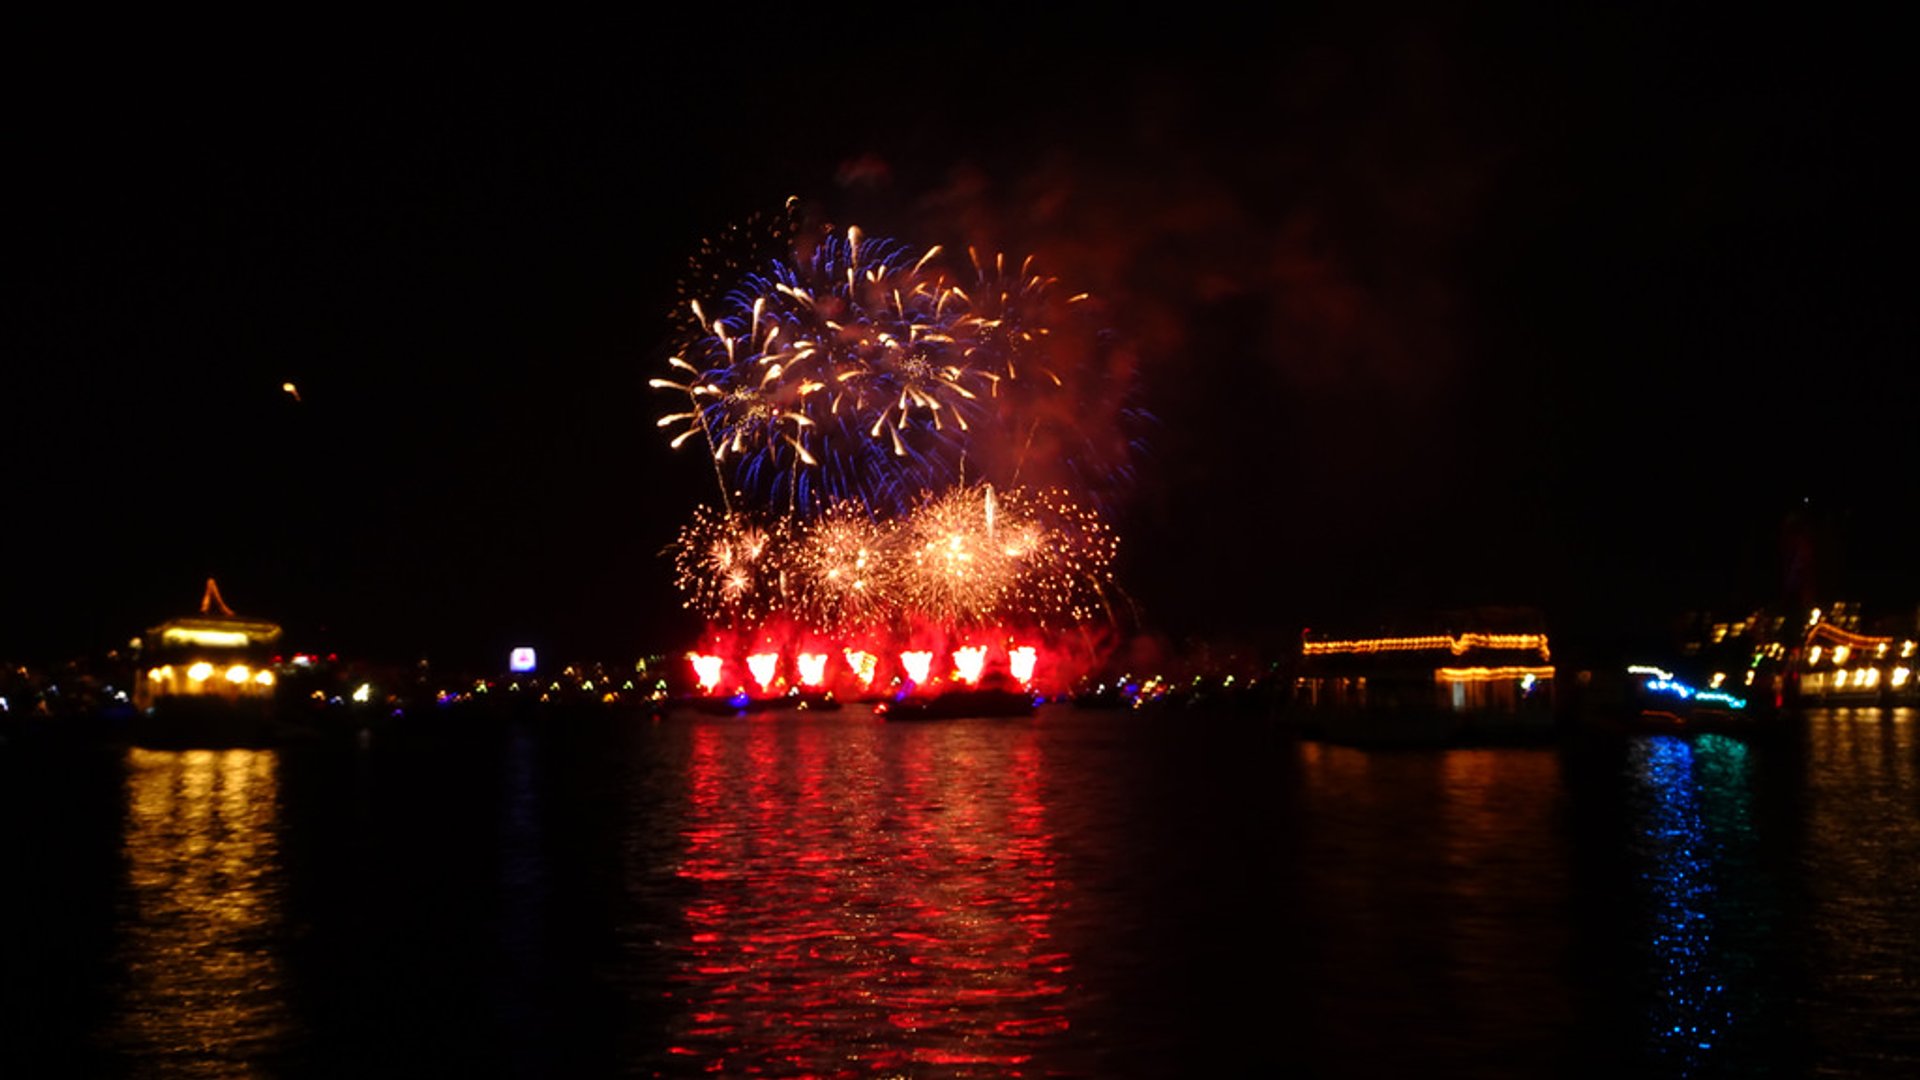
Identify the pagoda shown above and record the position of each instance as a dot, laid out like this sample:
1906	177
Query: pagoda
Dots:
209	658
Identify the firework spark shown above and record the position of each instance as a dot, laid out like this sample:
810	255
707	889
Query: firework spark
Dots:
881	426
858	369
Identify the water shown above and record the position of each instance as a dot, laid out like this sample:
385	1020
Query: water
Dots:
1086	893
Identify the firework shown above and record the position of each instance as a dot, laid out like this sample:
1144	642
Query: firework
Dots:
840	569
729	565
884	428
858	369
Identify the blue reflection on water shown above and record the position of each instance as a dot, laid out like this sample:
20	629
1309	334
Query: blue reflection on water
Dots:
1696	803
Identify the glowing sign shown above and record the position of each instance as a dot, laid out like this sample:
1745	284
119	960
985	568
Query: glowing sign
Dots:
521	660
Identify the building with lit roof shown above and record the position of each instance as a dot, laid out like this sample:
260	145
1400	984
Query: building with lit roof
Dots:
1496	676
213	658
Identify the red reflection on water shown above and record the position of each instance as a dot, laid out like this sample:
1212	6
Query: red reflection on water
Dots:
867	900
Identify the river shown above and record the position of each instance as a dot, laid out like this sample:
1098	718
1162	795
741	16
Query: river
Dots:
1096	893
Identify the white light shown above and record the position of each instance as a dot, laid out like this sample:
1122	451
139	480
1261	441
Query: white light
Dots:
363	693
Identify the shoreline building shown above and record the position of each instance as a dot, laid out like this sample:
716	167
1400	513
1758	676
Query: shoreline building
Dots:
212	658
1490	680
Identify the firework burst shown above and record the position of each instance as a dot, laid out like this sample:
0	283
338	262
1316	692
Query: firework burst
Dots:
883	428
730	566
841	569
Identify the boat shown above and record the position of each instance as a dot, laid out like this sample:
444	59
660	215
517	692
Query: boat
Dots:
207	680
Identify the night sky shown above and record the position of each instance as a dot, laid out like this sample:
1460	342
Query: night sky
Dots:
1575	313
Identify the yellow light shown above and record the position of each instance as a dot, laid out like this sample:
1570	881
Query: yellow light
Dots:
212	639
238	673
200	672
363	693
1867	677
1487	674
264	678
1900	677
1906	649
1750	678
1813	655
1719	678
1840	654
1458	646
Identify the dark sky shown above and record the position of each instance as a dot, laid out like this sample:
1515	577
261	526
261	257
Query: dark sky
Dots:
1571	312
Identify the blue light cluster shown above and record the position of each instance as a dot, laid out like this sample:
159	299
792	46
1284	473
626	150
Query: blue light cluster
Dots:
1687	693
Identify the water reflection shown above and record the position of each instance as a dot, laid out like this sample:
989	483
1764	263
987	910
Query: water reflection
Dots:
1861	868
880	900
1434	887
200	986
1694	808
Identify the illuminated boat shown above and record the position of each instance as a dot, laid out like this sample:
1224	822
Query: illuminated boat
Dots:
207	679
1492	684
1664	702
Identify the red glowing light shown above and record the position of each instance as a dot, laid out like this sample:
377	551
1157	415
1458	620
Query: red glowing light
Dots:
917	663
706	669
763	665
968	662
864	664
1021	661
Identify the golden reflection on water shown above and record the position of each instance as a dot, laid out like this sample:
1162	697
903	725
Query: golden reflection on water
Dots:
201	986
1861	866
1418	868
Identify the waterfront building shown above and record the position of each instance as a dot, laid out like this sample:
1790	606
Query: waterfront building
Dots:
1495	675
1833	654
211	658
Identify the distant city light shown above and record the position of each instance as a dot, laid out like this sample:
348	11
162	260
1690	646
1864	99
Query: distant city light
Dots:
521	660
